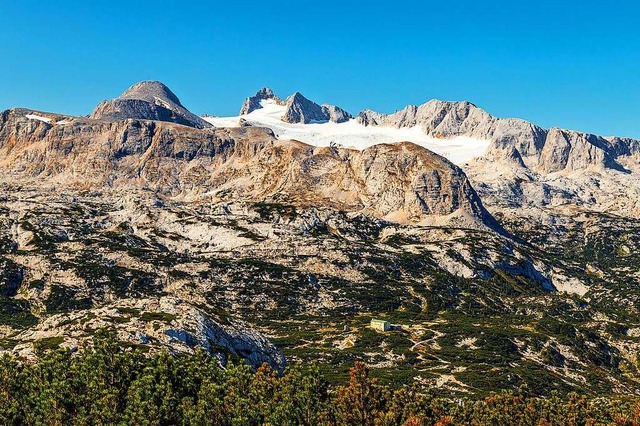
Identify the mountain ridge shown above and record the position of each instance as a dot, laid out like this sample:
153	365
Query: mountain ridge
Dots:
136	150
446	119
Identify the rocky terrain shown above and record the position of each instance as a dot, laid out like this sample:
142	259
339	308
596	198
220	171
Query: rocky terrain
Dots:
269	250
526	144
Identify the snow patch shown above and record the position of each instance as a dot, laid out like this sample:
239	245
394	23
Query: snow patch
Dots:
38	117
352	134
161	102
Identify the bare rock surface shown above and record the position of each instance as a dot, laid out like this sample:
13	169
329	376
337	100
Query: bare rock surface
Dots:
544	151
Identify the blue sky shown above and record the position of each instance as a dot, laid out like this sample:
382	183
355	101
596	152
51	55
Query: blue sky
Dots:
574	64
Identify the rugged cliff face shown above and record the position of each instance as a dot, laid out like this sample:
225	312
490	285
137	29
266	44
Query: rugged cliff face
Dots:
253	102
437	118
526	166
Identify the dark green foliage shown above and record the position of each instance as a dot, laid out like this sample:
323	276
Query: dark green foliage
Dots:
16	313
157	316
107	384
63	299
271	210
11	276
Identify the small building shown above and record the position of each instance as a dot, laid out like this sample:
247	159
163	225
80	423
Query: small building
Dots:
380	325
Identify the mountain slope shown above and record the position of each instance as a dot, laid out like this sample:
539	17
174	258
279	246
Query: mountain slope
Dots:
350	133
253	103
543	151
526	166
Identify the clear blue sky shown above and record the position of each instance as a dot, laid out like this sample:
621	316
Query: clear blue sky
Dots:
573	64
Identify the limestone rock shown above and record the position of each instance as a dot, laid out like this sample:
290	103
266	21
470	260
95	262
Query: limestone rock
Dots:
510	134
437	118
543	150
573	151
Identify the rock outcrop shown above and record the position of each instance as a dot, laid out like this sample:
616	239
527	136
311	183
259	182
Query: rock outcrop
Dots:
302	110
252	103
177	325
148	100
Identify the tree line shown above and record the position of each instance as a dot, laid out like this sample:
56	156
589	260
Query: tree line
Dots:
108	384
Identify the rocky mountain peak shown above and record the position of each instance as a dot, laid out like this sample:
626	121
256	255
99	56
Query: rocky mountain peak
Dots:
302	110
253	102
148	100
150	91
266	93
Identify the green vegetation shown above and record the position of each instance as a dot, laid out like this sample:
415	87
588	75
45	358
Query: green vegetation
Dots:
108	384
157	316
16	313
314	294
47	344
270	210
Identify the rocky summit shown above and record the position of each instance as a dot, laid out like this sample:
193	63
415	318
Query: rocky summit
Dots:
148	100
278	235
252	103
302	110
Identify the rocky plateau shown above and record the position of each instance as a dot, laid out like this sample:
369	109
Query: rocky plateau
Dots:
518	267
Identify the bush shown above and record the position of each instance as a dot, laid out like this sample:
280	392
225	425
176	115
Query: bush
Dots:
112	384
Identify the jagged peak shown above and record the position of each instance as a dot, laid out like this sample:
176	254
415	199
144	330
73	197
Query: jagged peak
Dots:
265	93
252	103
302	110
295	96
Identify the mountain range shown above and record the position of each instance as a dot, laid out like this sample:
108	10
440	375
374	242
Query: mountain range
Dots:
504	252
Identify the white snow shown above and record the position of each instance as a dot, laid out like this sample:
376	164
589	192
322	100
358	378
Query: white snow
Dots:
161	102
38	117
352	134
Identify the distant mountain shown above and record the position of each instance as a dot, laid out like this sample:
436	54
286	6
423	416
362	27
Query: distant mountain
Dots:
148	100
252	103
406	183
542	150
528	166
301	110
512	163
